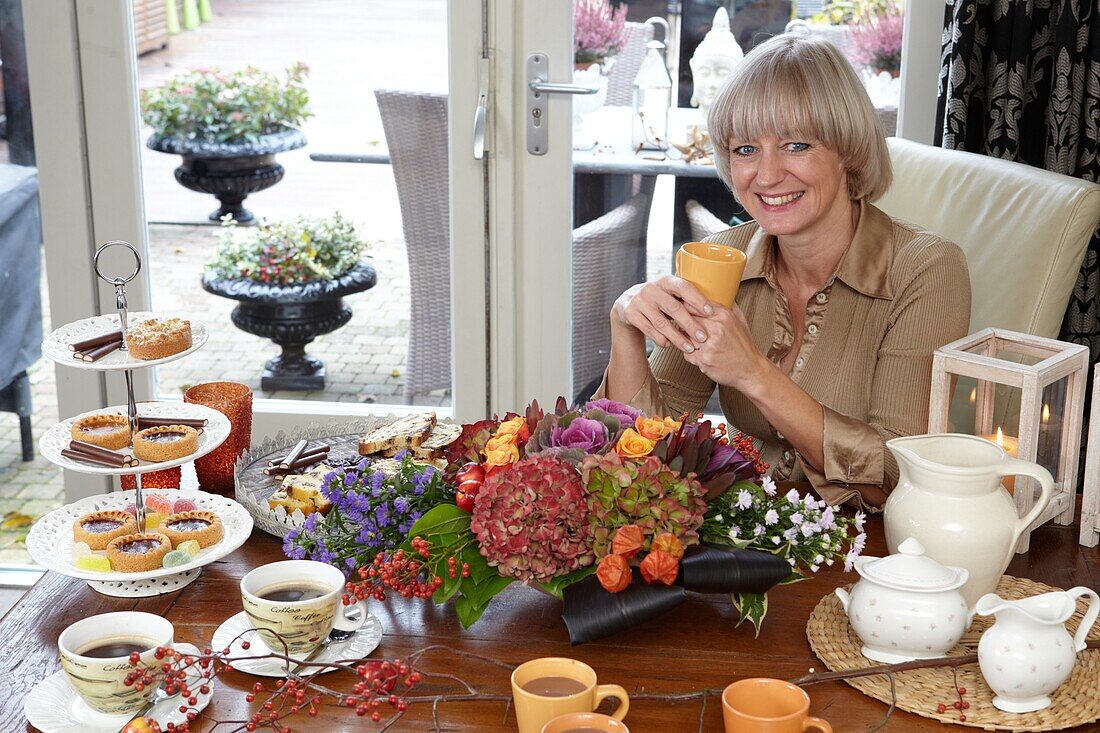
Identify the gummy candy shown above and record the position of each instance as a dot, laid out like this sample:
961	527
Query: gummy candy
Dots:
95	563
158	503
176	558
153	519
191	547
183	505
80	549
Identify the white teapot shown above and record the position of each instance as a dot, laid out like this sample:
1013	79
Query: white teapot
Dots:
1028	653
907	606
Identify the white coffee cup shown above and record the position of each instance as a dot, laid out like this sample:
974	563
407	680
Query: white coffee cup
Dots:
301	625
100	680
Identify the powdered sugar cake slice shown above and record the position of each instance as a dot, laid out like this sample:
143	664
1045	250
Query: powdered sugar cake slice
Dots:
408	432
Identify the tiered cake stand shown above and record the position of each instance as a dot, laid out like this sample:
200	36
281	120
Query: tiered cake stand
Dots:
50	541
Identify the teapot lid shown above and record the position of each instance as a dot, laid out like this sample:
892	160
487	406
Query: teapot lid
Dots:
911	569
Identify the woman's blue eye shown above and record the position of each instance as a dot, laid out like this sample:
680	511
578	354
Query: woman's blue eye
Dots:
744	150
799	147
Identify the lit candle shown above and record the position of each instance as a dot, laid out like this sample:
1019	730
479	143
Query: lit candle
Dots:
1011	446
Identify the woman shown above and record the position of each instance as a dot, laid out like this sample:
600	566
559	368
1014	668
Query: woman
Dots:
828	351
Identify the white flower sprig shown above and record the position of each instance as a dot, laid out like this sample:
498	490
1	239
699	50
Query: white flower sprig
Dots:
804	531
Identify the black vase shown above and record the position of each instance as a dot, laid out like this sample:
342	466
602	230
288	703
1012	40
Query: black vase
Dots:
230	170
292	316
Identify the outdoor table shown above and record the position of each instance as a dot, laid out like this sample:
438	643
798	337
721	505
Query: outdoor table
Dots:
694	646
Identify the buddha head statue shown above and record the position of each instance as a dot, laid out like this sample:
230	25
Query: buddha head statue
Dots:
714	58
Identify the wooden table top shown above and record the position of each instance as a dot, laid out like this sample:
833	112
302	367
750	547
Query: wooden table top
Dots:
693	647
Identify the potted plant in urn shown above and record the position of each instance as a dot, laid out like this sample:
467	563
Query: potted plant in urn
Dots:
228	126
290	278
599	32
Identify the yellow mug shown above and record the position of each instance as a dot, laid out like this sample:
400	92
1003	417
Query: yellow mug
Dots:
544	689
715	269
574	722
762	705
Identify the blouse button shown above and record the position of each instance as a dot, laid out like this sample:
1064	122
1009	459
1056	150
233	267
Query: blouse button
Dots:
787	456
821	297
799	362
812	328
779	435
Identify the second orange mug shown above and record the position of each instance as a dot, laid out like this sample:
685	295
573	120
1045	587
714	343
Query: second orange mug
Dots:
762	705
574	722
715	269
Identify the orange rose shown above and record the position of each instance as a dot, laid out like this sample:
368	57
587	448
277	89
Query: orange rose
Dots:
651	428
633	445
517	427
673	425
501	450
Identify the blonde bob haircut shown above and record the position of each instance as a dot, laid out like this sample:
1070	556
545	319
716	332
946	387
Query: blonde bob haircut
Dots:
799	87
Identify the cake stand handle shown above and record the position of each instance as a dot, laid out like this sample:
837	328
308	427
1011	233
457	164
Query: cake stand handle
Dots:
119	283
139	501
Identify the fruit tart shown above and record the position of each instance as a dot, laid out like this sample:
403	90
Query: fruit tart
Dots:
99	528
111	431
165	443
202	526
139	552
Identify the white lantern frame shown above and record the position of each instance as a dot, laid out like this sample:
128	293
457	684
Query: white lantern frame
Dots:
1090	501
972	357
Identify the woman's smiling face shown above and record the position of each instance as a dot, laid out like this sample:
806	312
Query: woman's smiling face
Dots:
789	185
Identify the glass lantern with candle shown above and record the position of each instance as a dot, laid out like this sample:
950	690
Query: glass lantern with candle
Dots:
1023	392
652	100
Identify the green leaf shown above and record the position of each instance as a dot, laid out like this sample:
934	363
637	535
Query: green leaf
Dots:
481	593
479	566
753	607
441	525
446	591
468	612
555	586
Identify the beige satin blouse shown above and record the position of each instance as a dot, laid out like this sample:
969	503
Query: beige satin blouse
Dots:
898	294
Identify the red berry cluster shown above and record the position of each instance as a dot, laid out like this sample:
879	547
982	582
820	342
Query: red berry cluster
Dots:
408	576
175	669
959	704
744	445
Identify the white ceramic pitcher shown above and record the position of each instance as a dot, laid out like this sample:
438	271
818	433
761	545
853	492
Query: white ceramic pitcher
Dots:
949	496
1028	653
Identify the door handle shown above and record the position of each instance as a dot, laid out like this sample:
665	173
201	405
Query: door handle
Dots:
482	110
538	87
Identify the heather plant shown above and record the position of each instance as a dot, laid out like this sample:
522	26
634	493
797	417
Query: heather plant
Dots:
876	41
599	31
288	252
227	106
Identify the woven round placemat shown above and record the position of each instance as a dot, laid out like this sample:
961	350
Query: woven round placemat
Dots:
1077	702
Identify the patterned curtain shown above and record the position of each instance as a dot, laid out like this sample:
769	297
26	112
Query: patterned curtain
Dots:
1020	80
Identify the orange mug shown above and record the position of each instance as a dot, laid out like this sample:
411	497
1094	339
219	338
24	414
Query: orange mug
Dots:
585	722
762	705
715	269
547	688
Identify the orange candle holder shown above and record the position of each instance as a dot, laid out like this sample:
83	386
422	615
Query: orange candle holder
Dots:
234	400
169	478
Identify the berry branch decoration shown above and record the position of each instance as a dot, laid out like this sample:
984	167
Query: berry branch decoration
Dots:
381	687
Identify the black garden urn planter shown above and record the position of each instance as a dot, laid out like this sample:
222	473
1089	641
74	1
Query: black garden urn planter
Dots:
292	316
230	170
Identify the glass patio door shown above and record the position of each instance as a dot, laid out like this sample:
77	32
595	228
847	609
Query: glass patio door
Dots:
394	83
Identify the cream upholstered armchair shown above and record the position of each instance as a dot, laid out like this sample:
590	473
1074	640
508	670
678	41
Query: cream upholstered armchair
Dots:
1024	230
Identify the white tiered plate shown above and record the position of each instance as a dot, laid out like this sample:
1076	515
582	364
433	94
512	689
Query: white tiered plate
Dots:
53	706
236	629
56	345
50	542
214	434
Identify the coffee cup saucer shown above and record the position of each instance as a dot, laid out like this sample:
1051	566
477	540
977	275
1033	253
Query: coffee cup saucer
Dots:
53	706
236	629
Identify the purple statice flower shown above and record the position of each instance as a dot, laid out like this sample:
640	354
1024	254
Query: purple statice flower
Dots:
401	505
382	515
589	436
744	499
626	414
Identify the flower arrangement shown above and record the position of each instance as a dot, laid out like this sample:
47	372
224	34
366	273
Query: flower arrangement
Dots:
227	106
288	252
804	531
876	40
550	498
599	30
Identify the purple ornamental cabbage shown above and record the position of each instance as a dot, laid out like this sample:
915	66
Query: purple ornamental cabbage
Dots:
582	434
624	412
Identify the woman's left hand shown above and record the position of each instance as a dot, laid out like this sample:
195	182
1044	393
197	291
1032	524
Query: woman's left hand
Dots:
729	355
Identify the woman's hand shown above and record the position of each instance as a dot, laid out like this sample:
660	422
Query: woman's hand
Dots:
729	355
670	311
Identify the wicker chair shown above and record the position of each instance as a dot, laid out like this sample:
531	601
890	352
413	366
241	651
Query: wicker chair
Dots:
620	80
608	253
415	125
703	223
